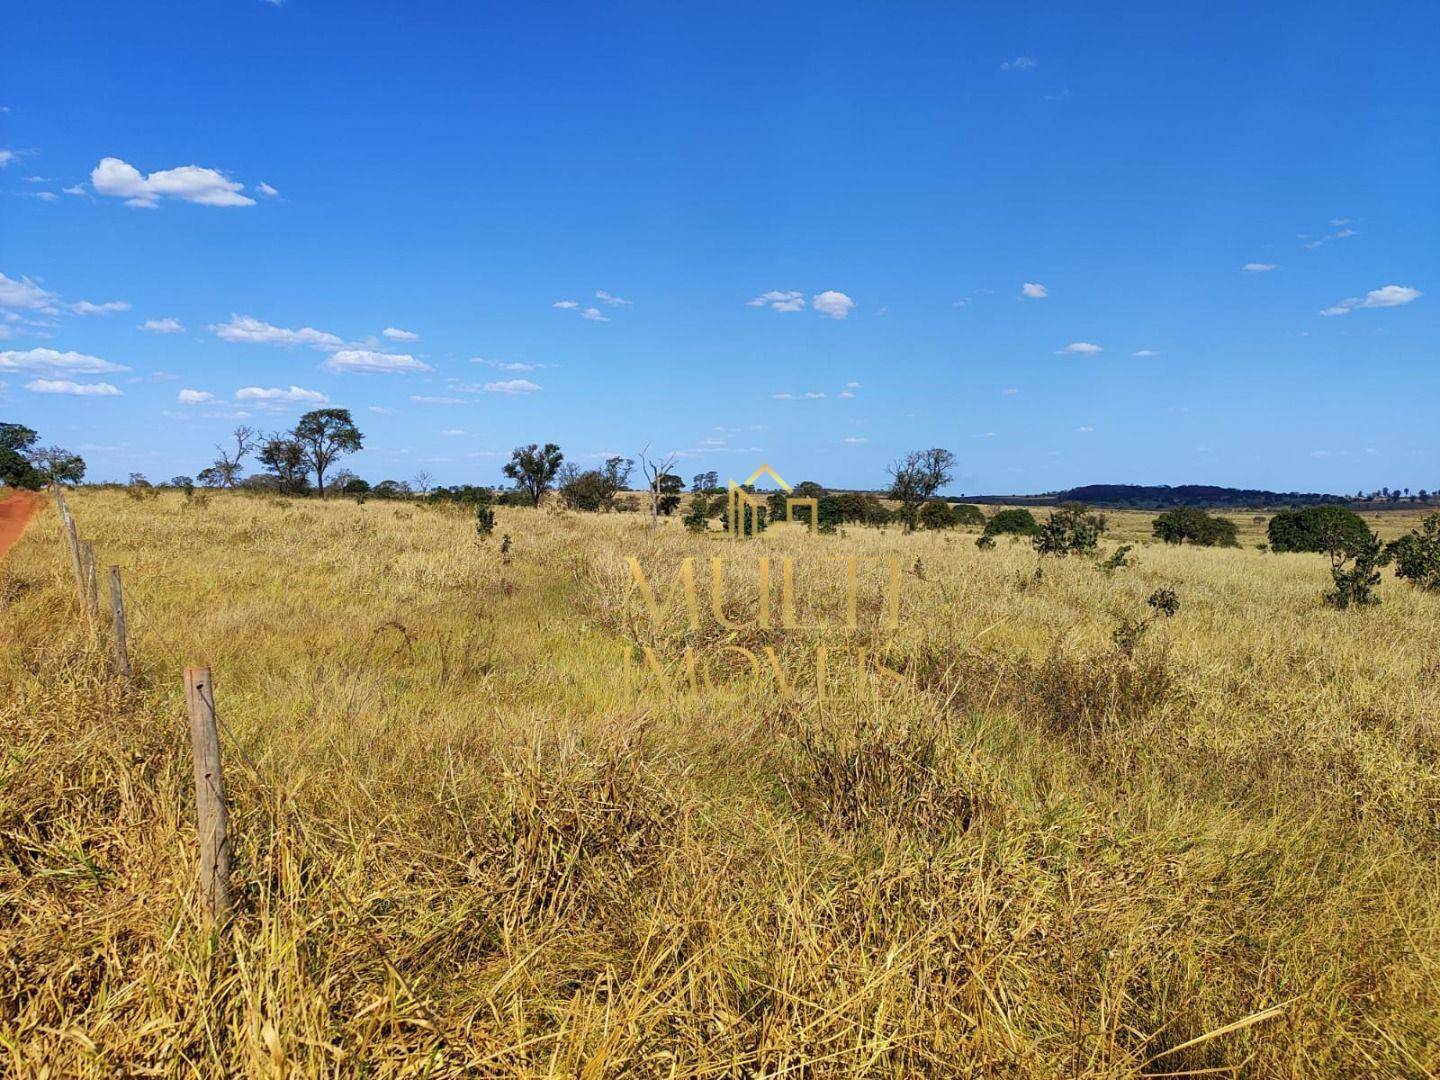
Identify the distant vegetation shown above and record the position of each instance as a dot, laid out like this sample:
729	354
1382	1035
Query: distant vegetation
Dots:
1191	525
1161	496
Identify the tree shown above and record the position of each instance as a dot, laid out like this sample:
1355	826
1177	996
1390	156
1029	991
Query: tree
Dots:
1355	564
1417	555
1012	521
938	514
1316	528
16	470
225	471
969	514
324	436
705	483
656	470
285	457
533	469
57	465
1071	530
1189	523
670	487
424	481
917	477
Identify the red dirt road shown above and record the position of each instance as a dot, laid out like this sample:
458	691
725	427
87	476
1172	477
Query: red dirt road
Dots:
16	508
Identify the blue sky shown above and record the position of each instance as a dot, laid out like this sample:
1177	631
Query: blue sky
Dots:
286	182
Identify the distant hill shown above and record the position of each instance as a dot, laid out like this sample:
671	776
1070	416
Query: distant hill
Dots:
1148	497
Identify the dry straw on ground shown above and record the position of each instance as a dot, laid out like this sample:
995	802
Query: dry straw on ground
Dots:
462	850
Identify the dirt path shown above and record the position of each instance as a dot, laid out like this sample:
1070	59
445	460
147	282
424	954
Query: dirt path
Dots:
16	508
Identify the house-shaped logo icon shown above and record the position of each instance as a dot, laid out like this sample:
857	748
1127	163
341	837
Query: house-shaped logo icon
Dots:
740	498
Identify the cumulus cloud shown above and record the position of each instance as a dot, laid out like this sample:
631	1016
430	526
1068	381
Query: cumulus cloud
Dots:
74	389
832	304
163	326
6	157
594	314
394	333
1081	348
512	386
252	331
274	395
49	361
1020	63
1258	268
195	397
375	363
266	190
1033	290
566	305
85	307
1384	297
614	301
188	183
25	295
779	300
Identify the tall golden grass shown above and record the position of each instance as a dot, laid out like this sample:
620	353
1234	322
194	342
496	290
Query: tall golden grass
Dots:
462	848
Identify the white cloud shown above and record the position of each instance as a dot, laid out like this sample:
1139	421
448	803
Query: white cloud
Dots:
832	304
1010	391
454	432
779	300
74	389
1383	297
984	435
85	307
163	326
25	295
296	395
594	315
48	360
375	363
77	189
1146	354
1033	290
383	410
613	301
189	183
425	399
43	196
1020	63
852	385
394	333
1081	348
504	365
512	386
1340	235
847	393
566	305
855	439
266	190
6	157
1258	268
1084	430
963	302
252	331
195	397
810	395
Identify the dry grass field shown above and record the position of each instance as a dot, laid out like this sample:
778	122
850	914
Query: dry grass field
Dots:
464	848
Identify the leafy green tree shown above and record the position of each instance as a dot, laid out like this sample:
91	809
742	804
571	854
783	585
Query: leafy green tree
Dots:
533	468
57	465
1417	555
938	514
325	435
16	469
1012	521
1193	525
968	514
1355	567
284	457
1071	530
1316	528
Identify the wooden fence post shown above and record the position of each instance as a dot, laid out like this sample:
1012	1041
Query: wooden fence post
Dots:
75	559
90	585
211	814
117	624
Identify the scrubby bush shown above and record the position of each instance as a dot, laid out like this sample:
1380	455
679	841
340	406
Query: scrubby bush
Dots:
1071	530
1189	524
1014	521
967	514
1355	567
1417	555
1316	528
1117	561
484	521
938	514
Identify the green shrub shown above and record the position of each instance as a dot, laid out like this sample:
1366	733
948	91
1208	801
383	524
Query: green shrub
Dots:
968	515
938	514
1417	555
1317	528
1355	568
1189	523
1071	530
1013	521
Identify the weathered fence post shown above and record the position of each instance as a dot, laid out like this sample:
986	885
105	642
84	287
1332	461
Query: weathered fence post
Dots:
117	624
89	584
211	814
